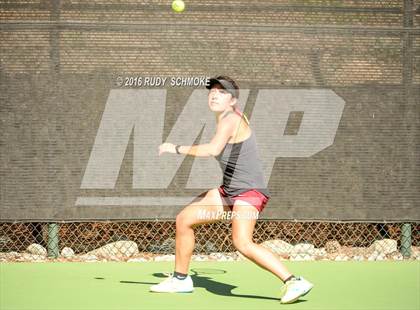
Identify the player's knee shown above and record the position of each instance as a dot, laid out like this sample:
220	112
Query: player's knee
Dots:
242	245
182	221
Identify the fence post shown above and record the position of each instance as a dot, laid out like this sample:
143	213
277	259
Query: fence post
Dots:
53	240
406	240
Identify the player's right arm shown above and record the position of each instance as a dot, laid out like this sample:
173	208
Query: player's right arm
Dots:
224	131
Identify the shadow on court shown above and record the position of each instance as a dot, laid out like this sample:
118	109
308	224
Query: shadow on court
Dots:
212	286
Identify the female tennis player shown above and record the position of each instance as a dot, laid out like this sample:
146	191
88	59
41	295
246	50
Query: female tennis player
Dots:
243	194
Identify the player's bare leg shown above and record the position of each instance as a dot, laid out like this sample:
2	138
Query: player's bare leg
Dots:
206	208
242	230
212	203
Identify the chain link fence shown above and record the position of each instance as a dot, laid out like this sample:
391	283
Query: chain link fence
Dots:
155	240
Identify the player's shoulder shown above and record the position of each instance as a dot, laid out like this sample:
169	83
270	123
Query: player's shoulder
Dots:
230	116
229	121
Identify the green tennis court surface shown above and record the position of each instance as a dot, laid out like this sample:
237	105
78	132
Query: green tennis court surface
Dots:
243	285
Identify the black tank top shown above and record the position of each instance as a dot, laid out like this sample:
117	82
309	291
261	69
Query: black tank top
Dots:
241	166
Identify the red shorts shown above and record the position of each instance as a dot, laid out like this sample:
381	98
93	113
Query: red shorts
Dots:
253	197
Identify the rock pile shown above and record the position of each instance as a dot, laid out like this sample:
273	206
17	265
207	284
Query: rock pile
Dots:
386	249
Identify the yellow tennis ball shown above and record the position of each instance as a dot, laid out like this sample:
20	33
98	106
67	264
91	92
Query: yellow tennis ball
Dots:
178	6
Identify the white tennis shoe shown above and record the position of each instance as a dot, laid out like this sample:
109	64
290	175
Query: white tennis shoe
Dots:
174	285
294	289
